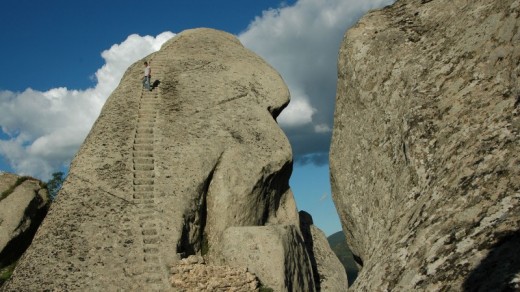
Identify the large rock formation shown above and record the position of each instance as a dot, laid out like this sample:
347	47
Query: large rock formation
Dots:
330	275
338	244
273	253
424	161
23	205
163	175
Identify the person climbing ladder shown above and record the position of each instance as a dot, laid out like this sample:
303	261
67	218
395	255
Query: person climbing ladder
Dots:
147	76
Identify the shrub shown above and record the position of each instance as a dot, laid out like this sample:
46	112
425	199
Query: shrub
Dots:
6	272
54	184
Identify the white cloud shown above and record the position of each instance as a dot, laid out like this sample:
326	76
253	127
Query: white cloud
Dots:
298	113
322	128
47	128
302	42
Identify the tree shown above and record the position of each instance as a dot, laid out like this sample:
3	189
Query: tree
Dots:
54	184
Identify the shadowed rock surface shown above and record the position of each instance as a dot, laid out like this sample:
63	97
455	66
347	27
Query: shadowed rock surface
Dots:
424	160
23	205
163	174
274	253
329	273
338	244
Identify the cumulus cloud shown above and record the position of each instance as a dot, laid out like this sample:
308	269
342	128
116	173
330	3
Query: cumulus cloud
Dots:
43	130
322	128
302	42
297	114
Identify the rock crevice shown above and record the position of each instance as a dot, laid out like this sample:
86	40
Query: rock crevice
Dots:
23	206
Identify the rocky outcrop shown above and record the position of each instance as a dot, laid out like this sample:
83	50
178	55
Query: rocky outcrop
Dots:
192	274
338	244
23	205
164	174
275	253
424	160
329	273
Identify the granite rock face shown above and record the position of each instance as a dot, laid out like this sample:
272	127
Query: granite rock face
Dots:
274	253
164	173
424	159
329	273
23	205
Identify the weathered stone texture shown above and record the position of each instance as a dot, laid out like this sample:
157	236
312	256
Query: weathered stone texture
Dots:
275	254
424	159
163	174
193	274
329	273
22	209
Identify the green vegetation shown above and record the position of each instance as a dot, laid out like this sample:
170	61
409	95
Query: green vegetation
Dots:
338	244
6	272
265	289
9	191
54	184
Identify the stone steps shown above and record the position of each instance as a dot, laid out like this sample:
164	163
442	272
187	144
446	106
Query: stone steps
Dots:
144	173
143	147
151	270
145	124
143	181
144	133
141	141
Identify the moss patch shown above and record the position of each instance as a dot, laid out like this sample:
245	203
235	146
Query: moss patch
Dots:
6	272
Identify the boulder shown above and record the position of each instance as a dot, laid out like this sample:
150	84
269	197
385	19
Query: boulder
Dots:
329	273
23	205
424	156
164	173
275	254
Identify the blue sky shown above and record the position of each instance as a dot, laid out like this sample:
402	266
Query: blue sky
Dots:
58	42
61	59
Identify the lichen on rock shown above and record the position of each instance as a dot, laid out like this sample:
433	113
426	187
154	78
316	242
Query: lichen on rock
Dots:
424	157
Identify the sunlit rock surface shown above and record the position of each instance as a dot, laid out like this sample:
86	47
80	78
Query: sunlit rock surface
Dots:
425	152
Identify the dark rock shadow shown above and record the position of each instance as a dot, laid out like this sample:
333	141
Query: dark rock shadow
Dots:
19	244
305	227
156	83
497	270
351	262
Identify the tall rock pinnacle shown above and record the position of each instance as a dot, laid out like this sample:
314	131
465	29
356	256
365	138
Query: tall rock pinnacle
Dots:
164	174
424	159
